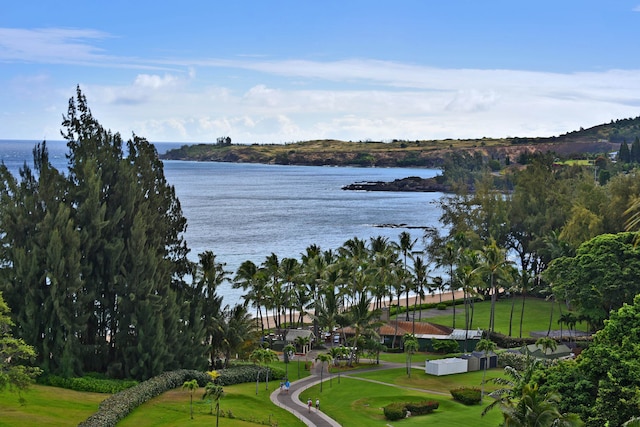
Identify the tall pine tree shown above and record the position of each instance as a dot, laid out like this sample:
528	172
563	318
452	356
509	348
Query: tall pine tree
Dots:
623	153
95	262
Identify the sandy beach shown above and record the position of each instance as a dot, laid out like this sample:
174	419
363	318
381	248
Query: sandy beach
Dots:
435	298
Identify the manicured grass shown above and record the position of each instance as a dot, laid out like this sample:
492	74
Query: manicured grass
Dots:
48	406
355	403
172	409
536	316
442	384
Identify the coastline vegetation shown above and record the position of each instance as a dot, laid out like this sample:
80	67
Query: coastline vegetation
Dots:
94	267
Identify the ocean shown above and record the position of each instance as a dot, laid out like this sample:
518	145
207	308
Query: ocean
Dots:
248	211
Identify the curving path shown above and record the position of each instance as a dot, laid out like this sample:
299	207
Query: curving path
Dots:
291	401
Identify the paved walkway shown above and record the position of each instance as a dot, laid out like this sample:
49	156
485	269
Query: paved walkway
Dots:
291	401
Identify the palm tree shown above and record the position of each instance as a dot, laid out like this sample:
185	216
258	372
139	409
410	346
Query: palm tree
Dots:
329	306
469	279
323	357
248	277
486	346
411	345
263	356
209	274
547	343
535	409
354	259
513	382
406	245
288	351
215	393
191	386
289	270
419	284
313	271
494	265
271	267
303	342
235	330
363	321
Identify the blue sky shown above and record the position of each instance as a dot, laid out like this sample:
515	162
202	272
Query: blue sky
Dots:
284	71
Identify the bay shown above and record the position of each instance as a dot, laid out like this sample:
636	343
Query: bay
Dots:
248	211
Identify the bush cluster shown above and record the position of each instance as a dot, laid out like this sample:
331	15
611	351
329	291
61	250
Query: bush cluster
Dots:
398	410
467	395
422	408
246	373
87	383
504	341
395	411
118	406
445	346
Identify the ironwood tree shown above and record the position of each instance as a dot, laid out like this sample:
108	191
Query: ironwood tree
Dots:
95	261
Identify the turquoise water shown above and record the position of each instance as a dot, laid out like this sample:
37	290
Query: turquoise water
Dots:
248	211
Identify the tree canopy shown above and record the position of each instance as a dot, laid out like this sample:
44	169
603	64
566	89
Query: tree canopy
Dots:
601	277
94	262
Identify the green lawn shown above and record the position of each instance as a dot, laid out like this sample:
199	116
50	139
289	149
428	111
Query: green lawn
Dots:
48	406
355	403
172	409
537	313
351	401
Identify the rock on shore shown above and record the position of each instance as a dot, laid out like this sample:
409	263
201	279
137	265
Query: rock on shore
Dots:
412	183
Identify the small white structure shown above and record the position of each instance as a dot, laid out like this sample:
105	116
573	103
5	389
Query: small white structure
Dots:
452	365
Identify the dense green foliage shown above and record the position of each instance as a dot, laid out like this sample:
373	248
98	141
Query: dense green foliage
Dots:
94	263
601	277
601	386
467	395
87	383
395	411
15	355
118	406
399	410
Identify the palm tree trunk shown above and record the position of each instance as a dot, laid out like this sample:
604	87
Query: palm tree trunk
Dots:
524	296
513	305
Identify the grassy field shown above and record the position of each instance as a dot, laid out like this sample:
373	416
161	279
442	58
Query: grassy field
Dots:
172	409
352	401
355	403
536	316
47	406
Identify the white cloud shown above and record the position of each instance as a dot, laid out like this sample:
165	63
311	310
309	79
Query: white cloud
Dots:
155	81
56	45
351	99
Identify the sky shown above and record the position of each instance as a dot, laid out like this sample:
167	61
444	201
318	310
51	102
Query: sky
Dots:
280	71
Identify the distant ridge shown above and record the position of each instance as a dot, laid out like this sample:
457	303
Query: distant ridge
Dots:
403	153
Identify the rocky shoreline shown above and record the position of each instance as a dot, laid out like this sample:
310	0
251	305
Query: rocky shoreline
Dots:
412	183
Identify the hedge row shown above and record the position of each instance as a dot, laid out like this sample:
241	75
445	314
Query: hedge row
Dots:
246	373
466	395
87	383
118	406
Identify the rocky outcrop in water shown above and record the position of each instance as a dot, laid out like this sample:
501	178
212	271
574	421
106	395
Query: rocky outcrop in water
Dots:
412	183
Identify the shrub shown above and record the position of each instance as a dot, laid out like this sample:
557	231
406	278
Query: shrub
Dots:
395	411
88	383
246	373
118	406
423	407
468	396
441	306
445	346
